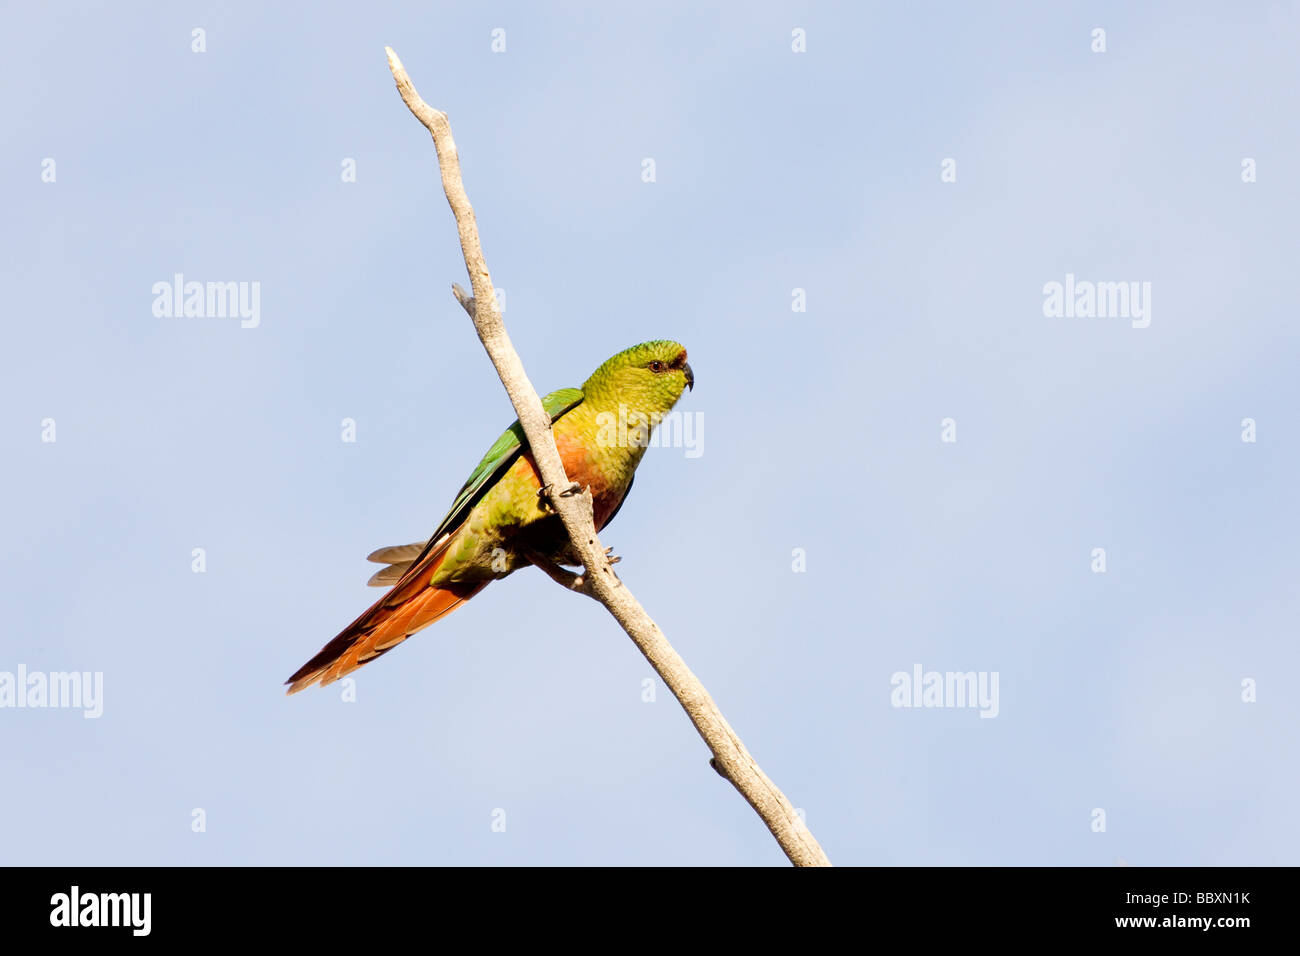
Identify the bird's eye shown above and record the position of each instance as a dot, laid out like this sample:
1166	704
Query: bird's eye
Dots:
656	366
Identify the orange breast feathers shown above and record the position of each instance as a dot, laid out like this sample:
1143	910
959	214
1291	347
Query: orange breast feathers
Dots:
584	469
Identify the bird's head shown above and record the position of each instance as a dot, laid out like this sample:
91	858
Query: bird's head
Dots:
648	378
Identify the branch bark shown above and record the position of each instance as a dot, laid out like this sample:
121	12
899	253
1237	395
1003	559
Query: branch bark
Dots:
730	758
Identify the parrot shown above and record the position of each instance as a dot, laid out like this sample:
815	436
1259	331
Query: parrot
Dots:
500	516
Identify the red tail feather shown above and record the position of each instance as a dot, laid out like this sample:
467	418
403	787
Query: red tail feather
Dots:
412	604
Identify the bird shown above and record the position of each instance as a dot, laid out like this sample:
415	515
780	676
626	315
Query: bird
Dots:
500	520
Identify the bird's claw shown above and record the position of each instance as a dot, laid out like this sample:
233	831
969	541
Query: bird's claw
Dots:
611	557
546	494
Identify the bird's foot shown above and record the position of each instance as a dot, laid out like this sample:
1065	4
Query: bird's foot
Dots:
547	493
611	557
570	580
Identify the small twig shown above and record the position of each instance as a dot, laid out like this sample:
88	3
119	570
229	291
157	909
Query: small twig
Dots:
464	298
730	758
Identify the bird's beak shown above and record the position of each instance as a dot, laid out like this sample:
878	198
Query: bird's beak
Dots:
690	376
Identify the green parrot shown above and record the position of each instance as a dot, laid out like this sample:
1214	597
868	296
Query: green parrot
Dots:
601	431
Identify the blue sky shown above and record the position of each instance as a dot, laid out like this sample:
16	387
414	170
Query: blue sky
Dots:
775	171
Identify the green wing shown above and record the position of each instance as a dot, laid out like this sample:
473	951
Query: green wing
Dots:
498	460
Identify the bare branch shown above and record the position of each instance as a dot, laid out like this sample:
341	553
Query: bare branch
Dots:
730	758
